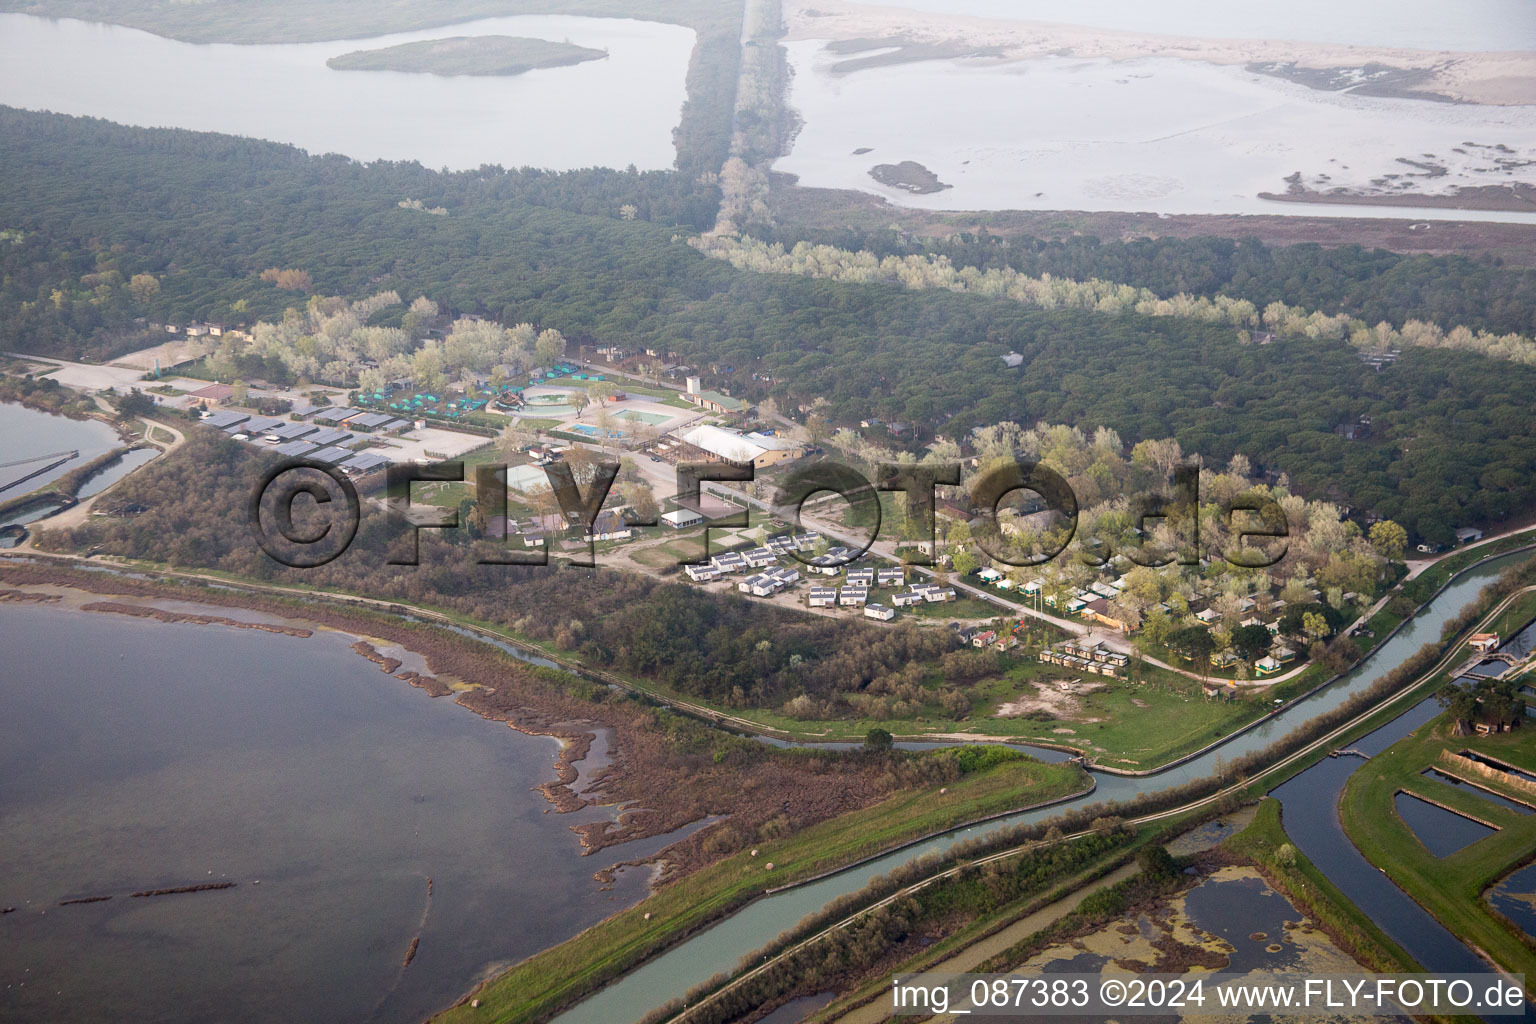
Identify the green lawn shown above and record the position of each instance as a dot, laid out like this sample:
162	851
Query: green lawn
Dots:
959	608
1135	726
672	552
1520	611
1449	887
537	423
538	986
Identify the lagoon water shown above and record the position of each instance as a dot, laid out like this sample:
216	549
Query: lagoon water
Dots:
611	112
140	755
1467	25
27	433
1157	135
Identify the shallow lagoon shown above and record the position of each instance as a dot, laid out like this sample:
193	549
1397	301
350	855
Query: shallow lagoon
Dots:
611	112
1468	25
1157	134
140	755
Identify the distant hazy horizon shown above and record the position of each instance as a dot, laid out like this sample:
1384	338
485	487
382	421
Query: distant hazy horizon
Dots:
1471	25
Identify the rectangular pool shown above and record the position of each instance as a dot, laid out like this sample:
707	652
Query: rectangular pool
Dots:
1441	831
1475	789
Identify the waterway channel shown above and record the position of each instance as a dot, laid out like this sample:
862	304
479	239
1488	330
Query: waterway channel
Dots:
720	947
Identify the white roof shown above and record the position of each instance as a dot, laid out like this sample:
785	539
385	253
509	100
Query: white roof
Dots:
682	515
771	442
727	444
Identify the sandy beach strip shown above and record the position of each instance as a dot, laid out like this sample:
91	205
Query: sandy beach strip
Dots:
1500	79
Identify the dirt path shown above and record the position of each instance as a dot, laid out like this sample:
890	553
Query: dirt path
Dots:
78	513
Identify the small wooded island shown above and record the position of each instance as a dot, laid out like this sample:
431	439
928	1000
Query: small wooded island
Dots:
468	55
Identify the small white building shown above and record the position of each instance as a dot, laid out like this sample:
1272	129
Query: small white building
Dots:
787	577
759	558
682	518
879	611
822	597
760	586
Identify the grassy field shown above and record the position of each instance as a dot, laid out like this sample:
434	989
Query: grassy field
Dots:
959	608
1449	887
1511	619
1128	725
668	554
556	977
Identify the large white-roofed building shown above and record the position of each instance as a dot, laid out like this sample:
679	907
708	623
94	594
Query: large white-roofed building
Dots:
733	446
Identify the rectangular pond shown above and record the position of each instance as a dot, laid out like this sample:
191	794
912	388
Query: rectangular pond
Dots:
1476	790
1442	832
1503	766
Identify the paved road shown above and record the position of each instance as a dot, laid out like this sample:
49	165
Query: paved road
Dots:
887	551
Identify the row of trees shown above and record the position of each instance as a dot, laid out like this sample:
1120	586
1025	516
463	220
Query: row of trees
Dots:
760	119
926	271
1373	285
1448	440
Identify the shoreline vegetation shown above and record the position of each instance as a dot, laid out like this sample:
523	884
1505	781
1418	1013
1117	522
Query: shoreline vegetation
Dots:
468	55
1451	887
1252	776
623	945
1517	196
634	778
559	948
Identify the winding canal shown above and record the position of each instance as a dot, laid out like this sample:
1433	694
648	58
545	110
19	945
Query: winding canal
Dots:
720	947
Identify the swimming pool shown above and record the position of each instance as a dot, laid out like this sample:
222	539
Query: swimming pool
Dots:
588	430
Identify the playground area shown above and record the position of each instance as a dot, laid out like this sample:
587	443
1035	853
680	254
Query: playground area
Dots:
414	404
